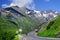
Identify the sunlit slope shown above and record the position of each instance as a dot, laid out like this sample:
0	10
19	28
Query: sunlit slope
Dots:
52	29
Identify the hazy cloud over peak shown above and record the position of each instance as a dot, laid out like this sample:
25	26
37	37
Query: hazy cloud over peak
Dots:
21	3
5	5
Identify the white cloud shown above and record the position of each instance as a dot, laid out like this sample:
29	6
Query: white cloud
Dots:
31	6
46	0
56	12
21	3
5	5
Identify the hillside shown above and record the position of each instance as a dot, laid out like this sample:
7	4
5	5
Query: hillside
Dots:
17	14
52	29
7	29
14	18
11	21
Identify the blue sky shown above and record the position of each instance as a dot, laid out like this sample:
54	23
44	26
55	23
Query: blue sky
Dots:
40	4
48	5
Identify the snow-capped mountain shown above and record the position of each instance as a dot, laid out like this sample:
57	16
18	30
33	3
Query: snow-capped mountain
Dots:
41	16
45	14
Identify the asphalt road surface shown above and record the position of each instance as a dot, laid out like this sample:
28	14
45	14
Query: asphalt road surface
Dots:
32	36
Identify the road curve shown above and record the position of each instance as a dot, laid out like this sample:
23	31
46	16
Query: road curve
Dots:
32	36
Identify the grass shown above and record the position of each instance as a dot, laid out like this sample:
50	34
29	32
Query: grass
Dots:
52	29
7	29
9	25
16	37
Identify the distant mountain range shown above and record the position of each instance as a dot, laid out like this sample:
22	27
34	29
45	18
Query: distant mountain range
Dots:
40	16
27	19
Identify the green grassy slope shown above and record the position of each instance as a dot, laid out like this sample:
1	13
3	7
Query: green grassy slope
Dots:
10	23
52	30
7	29
28	24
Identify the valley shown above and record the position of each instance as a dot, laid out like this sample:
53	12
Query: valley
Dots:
43	23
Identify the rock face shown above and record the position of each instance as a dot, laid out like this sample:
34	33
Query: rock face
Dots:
18	15
16	10
0	14
42	16
58	34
